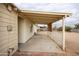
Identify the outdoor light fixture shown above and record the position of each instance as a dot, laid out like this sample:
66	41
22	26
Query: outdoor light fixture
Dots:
9	28
9	8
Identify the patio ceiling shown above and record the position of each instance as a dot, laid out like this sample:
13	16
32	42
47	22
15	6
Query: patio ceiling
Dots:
42	17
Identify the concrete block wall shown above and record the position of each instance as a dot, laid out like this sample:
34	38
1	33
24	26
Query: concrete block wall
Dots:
8	39
57	37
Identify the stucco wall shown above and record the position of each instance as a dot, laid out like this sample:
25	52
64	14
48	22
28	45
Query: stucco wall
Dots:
26	30
8	39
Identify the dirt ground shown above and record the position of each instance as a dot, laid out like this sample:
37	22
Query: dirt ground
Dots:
72	42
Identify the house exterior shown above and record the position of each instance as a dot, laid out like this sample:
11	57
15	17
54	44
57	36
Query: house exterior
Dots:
10	22
16	28
8	29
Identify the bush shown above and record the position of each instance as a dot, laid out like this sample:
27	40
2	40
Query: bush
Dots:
67	28
77	26
59	29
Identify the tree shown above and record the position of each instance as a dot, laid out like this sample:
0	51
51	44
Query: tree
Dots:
67	28
77	26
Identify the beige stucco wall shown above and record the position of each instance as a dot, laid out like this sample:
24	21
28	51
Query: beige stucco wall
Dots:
26	30
8	39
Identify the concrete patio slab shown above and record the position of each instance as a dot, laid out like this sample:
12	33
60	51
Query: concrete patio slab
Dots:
40	43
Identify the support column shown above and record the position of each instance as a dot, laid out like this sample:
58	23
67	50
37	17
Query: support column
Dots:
50	27
63	30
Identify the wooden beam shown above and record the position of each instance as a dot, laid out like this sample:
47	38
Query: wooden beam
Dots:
43	12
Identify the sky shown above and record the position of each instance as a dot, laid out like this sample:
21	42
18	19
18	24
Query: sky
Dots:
55	7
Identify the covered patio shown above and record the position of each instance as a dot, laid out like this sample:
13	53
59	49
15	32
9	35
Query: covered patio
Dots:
41	17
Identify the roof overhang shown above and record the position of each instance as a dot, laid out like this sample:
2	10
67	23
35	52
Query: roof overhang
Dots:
42	17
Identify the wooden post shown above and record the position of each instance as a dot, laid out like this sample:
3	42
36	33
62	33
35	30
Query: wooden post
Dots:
50	27
63	30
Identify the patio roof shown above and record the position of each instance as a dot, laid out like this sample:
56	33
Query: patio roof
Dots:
42	17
